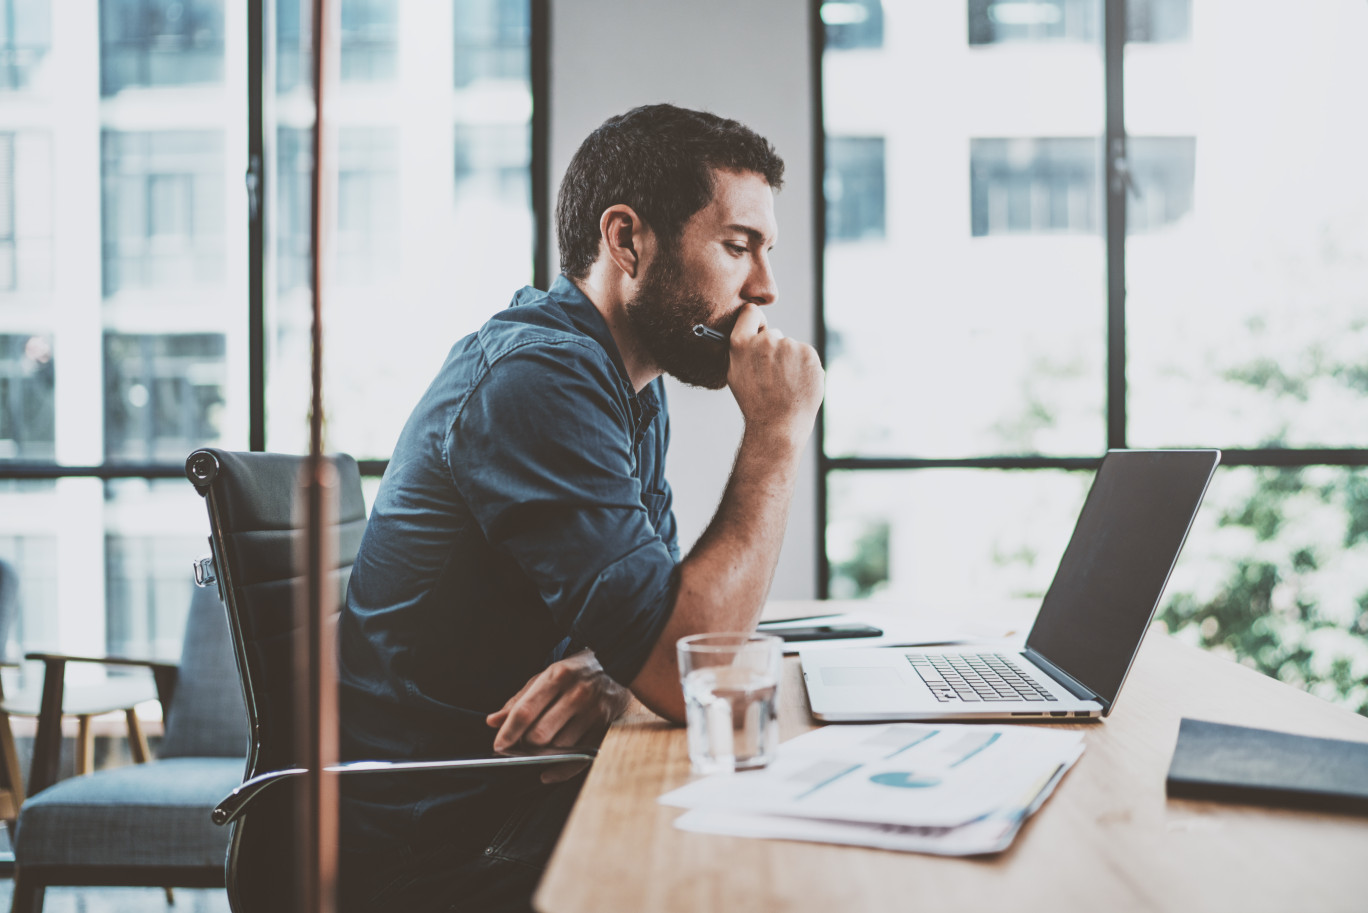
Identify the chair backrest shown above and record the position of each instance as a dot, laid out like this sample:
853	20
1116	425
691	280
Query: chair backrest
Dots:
258	536
207	718
258	540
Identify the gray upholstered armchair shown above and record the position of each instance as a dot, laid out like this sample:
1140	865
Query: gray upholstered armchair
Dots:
147	824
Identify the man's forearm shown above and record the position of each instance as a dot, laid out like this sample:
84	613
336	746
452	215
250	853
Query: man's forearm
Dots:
727	575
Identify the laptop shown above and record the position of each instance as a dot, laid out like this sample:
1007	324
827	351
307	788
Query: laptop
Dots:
1086	634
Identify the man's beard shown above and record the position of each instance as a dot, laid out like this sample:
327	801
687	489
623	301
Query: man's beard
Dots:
662	315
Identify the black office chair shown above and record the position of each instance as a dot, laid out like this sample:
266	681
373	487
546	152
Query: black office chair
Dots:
256	532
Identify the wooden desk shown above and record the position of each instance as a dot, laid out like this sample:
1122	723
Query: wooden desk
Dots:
1108	839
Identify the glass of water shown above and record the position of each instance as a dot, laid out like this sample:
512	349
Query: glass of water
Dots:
731	687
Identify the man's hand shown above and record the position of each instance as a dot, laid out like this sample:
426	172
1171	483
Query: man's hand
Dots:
558	707
777	381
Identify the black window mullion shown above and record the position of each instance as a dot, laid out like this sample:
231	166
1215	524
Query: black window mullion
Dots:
256	229
1114	151
817	48
540	65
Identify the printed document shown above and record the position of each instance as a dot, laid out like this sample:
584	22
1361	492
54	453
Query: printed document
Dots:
942	788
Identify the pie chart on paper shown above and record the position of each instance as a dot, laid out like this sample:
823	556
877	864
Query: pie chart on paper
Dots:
904	779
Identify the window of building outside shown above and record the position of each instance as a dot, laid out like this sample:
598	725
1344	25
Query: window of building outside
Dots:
851	24
163	209
369	41
854	187
25	39
124	325
1034	185
27	378
25	213
493	39
1246	315
1000	21
160	43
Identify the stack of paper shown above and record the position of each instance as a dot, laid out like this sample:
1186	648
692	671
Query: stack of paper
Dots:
932	788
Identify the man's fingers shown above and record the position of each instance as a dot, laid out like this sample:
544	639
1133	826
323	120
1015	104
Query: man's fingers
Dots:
750	321
548	728
525	712
496	718
574	731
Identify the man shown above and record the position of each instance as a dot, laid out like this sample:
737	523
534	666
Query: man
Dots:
521	565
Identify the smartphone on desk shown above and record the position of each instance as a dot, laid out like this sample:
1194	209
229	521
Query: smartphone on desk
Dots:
835	631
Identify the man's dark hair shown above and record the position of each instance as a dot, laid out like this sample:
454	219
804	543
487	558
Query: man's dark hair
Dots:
661	161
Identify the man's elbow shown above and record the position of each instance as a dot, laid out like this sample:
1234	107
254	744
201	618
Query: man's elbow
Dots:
658	688
671	710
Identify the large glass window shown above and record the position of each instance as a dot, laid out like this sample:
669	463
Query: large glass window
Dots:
127	267
433	219
960	405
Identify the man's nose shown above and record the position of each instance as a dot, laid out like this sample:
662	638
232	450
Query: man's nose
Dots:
760	286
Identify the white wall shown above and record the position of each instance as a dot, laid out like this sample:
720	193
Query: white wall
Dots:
748	61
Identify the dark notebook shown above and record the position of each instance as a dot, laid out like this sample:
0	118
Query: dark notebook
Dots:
1239	764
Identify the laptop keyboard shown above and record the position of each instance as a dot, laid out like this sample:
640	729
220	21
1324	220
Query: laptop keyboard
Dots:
975	677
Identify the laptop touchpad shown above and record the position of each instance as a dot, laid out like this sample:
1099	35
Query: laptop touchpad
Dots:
837	676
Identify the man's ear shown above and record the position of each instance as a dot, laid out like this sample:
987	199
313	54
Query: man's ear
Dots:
621	231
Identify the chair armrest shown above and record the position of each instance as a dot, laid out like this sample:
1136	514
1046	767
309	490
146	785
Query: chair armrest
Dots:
47	742
164	672
152	664
237	801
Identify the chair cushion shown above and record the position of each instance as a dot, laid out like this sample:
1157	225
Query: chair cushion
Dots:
154	814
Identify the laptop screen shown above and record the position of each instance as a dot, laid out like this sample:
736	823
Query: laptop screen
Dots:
1113	572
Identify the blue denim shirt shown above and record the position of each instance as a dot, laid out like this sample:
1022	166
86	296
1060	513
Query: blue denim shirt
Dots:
524	515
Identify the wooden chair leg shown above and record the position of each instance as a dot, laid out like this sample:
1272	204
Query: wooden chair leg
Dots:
85	746
28	896
9	760
170	897
137	741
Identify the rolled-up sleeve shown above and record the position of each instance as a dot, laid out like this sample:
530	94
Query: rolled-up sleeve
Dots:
543	453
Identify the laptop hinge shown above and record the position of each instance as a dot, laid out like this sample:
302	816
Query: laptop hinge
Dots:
1069	683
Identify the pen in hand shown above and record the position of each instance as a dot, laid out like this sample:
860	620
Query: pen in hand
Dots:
702	331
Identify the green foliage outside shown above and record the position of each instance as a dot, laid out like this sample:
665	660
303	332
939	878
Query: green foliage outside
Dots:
1290	546
1291	557
866	570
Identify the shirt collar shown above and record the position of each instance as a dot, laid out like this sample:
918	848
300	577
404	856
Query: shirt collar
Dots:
589	321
